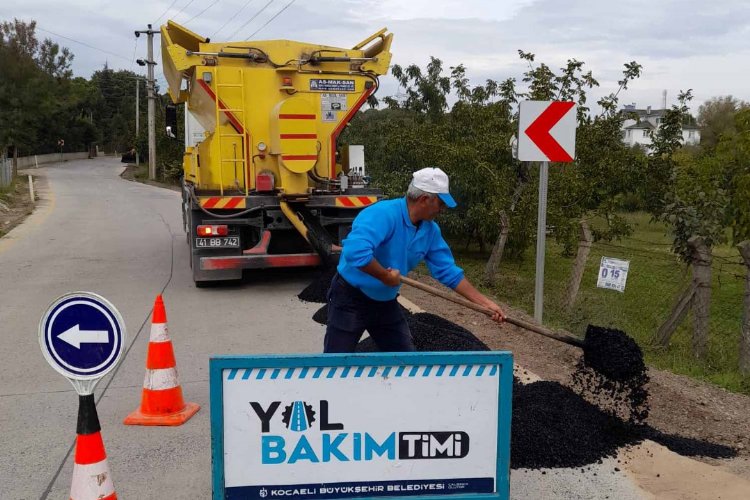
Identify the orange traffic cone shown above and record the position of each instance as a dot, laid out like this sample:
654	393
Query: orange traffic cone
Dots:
161	401
91	477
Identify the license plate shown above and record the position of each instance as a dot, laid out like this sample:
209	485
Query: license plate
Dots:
223	242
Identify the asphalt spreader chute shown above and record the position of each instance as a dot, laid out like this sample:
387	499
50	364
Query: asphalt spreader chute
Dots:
312	230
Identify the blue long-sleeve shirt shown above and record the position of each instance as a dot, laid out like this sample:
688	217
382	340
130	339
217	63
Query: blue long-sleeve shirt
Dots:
385	232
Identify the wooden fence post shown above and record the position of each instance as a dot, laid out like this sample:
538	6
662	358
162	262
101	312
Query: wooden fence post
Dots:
684	302
744	248
490	269
579	266
701	261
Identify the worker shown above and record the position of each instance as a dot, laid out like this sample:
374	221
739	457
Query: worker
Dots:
388	239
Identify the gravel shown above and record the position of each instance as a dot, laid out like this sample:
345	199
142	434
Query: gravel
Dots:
613	375
321	315
553	427
613	354
428	335
317	291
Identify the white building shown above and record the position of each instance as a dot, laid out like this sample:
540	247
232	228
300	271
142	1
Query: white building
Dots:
638	131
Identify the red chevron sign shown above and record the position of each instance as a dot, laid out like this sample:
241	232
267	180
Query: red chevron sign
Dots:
547	131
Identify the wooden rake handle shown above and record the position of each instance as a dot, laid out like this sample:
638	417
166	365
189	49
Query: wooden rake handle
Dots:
562	337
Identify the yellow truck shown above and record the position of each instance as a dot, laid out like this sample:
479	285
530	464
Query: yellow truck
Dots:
268	184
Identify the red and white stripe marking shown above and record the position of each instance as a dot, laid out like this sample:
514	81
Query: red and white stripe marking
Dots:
161	386
92	479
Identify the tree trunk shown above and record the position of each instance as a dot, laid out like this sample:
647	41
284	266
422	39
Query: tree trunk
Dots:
745	334
579	266
523	179
701	261
497	251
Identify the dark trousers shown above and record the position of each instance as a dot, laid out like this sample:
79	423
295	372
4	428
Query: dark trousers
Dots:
351	312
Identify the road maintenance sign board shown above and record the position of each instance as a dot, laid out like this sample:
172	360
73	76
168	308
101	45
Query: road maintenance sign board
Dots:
377	425
547	131
82	336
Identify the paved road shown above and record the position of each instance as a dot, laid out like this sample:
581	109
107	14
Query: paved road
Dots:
94	231
123	240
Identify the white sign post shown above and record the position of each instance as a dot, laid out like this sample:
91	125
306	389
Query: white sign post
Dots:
613	273
547	132
377	425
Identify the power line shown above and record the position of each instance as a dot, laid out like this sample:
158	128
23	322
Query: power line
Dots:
84	44
183	8
234	16
274	17
135	47
252	18
201	12
167	10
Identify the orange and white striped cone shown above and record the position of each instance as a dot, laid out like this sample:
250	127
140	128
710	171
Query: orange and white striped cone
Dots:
91	477
161	400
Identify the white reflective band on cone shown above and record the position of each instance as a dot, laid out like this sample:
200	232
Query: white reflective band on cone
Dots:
159	332
91	481
157	380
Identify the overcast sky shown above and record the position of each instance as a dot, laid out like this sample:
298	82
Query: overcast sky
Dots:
681	44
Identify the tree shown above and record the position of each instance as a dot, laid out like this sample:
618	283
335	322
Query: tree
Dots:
114	103
716	118
732	163
472	139
425	93
33	87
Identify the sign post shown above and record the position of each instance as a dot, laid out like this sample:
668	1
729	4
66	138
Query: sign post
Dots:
389	425
82	337
547	132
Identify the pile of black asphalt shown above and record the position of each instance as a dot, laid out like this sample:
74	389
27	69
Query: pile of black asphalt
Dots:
613	374
317	291
554	426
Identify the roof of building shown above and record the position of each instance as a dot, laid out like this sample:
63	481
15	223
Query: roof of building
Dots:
648	112
641	125
645	114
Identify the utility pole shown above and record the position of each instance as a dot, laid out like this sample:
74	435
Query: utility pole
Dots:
150	86
137	117
138	80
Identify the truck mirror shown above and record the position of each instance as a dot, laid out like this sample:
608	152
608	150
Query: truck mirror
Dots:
170	120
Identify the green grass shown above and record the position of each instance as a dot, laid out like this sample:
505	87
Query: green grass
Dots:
6	191
655	279
141	172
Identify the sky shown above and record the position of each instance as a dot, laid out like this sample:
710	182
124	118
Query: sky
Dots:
685	44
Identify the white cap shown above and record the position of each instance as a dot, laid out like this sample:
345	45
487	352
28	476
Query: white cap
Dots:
434	180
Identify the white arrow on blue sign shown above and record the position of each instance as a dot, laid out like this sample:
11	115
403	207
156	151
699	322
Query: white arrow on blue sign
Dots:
82	336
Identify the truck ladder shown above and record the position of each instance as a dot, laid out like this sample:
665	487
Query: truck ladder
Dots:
239	114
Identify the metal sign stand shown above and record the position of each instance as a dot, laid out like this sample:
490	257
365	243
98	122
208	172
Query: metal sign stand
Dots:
541	242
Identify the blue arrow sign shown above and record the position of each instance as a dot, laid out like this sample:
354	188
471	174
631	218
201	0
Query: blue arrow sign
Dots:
82	335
